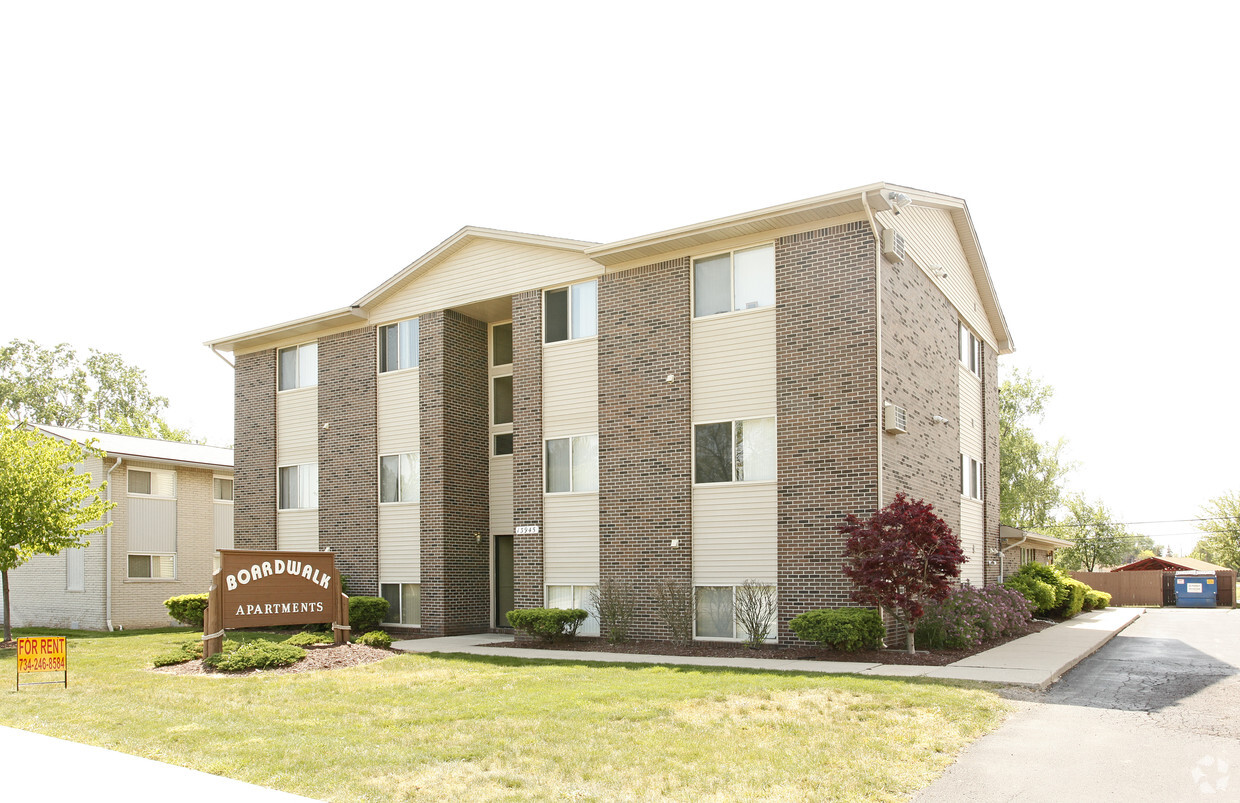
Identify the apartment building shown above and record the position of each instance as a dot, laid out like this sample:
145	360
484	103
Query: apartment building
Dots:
513	419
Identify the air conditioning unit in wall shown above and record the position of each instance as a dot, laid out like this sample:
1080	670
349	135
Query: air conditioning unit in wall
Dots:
893	245
895	419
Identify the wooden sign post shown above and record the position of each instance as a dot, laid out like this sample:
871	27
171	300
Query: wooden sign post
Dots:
267	588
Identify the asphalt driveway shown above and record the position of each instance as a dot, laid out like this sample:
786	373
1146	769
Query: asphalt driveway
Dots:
1153	715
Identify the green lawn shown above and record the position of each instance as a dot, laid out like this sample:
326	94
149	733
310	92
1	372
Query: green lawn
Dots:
469	728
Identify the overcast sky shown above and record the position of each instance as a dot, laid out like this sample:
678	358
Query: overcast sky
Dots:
171	173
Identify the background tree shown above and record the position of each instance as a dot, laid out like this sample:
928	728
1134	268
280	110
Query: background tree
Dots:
901	558
104	393
1138	546
1031	472
45	505
1221	544
1098	541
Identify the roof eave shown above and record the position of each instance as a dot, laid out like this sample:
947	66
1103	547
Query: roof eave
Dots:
281	331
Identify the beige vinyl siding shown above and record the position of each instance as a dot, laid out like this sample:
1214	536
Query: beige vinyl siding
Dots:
570	388
734	533
931	239
152	525
400	543
297	426
733	365
501	495
397	411
480	270
970	413
297	530
222	524
570	539
972	541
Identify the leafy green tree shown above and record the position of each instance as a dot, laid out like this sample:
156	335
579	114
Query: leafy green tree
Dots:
1138	546
1221	544
1098	541
45	505
104	393
1031	471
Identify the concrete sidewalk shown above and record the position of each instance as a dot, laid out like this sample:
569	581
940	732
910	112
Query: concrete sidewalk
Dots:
1036	661
54	769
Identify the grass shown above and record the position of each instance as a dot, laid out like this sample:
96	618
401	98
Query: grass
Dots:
465	727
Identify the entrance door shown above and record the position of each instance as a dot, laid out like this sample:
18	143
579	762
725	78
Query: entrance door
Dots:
504	597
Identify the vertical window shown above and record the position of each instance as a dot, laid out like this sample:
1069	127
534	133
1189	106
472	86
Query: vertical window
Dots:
572	464
299	366
75	569
404	603
970	350
398	346
734	281
713	613
971	477
399	477
501	344
570	312
500	371
223	489
299	487
734	451
501	400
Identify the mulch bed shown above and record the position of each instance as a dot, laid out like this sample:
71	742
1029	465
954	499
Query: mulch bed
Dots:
318	657
717	649
8	645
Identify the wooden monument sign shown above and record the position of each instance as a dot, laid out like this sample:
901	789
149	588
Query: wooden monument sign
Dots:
261	588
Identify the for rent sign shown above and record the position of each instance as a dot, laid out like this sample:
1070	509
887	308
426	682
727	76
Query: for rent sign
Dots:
262	588
42	654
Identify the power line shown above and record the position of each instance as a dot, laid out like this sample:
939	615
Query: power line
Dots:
1134	523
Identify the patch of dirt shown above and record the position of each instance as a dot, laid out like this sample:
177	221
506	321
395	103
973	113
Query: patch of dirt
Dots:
717	649
8	645
318	657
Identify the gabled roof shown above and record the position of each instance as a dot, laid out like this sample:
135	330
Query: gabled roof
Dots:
1170	565
181	454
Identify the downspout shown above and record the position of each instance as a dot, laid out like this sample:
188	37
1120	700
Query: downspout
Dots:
107	582
878	329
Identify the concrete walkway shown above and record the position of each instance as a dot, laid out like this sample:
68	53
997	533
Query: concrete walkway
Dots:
1035	661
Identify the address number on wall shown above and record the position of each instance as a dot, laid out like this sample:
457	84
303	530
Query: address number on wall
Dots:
529	529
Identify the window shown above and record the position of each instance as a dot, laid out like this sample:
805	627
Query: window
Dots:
734	451
501	400
970	350
572	464
501	389
970	477
571	312
714	613
223	490
501	344
299	366
503	444
399	477
575	596
152	482
404	603
299	486
734	281
152	567
398	346
1027	556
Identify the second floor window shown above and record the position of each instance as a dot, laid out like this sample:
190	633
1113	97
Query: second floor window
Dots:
153	482
971	477
572	464
734	281
299	366
734	451
970	350
299	486
398	346
399	477
570	312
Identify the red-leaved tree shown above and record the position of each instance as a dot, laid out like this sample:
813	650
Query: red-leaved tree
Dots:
901	558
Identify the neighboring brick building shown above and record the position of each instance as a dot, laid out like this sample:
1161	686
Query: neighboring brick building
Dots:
173	511
514	419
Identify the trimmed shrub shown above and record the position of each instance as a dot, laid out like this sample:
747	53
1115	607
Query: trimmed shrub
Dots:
844	629
1097	600
375	638
755	611
306	639
548	624
257	654
1069	593
971	615
615	605
1073	599
1039	593
673	607
187	609
365	613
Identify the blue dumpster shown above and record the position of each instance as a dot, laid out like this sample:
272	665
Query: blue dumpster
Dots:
1196	590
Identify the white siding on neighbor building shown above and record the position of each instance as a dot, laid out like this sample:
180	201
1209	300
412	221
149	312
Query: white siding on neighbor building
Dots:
972	541
152	525
297	530
400	554
931	240
222	521
570	387
501	495
734	533
484	269
75	569
570	539
397	412
970	413
733	365
297	426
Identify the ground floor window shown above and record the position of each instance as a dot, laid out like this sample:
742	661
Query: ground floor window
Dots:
719	610
152	567
575	596
404	603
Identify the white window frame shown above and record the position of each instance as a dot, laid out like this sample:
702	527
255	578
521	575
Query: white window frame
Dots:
734	480
279	501
571	313
572	490
972	474
493	372
215	499
731	254
590	626
736	636
299	383
970	348
154	472
176	567
417	357
401	596
417	492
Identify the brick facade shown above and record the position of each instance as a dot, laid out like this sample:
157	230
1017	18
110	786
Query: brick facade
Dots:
254	451
455	492
348	456
645	426
527	451
826	380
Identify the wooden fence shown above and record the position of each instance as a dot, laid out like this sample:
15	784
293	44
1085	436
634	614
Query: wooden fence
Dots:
1147	587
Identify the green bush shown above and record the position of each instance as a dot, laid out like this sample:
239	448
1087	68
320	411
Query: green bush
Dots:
187	651
258	654
365	613
1074	599
1097	599
1069	593
1039	593
375	638
187	609
846	629
548	624
306	639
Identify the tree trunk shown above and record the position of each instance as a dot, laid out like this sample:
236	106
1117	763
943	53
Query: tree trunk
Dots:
911	648
8	626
